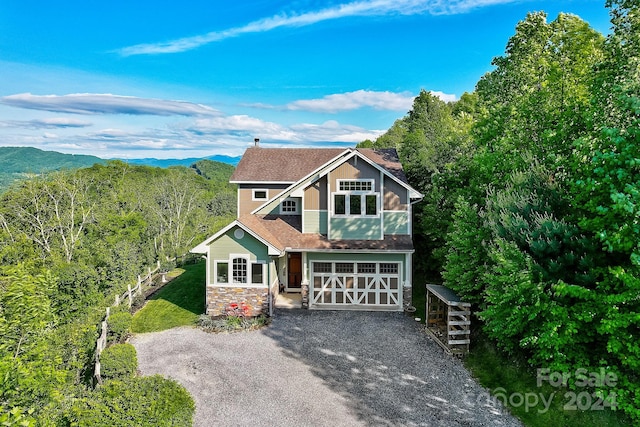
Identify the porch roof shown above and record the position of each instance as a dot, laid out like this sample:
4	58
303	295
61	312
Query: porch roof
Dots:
285	233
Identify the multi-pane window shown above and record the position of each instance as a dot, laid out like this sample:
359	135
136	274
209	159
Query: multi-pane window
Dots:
355	185
322	267
239	268
289	206
388	268
344	267
366	267
356	198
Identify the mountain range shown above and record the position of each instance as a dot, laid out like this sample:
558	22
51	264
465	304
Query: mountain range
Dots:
20	162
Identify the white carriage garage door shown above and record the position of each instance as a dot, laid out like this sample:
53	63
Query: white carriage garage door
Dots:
356	284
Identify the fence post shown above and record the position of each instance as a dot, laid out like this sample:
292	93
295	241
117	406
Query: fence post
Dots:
149	277
117	303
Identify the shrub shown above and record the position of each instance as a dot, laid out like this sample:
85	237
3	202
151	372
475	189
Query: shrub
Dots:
118	361
119	326
140	402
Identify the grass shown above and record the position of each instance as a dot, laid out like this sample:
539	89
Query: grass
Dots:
178	303
512	378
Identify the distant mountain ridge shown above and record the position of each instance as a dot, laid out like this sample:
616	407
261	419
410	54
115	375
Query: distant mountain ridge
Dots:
20	162
165	163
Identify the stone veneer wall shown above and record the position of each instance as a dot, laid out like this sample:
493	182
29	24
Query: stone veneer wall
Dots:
407	296
219	298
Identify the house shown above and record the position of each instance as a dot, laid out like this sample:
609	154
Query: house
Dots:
333	224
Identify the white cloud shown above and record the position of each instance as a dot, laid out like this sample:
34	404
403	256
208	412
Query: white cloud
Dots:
50	123
95	103
355	100
356	8
349	101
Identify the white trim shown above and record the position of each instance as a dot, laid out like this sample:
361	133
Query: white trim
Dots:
377	283
229	262
259	199
293	186
203	247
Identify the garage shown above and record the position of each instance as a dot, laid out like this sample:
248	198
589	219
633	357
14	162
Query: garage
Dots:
349	285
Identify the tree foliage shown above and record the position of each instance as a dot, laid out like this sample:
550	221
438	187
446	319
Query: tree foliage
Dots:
69	240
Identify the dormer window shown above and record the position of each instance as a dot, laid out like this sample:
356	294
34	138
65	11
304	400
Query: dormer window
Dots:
259	195
289	206
356	198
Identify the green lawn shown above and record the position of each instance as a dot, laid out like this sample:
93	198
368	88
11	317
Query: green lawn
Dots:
179	303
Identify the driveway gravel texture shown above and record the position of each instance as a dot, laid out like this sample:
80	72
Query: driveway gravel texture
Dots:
321	368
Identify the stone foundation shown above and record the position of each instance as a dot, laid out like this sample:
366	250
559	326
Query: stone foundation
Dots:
219	298
407	296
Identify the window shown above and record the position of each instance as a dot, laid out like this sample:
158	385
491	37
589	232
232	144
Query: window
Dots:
322	267
355	204
340	207
358	204
223	272
371	204
366	267
388	268
259	195
239	270
344	267
289	206
355	185
256	273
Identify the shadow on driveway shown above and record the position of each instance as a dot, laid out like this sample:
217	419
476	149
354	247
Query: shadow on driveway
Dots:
317	368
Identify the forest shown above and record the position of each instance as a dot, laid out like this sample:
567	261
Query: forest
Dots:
532	196
70	241
531	212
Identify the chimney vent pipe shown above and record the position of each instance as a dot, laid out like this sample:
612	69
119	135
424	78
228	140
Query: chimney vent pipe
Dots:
256	142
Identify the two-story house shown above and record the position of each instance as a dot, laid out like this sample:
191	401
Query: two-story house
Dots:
332	223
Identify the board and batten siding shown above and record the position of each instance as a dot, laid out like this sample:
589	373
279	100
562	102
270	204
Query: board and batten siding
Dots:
395	196
315	195
354	169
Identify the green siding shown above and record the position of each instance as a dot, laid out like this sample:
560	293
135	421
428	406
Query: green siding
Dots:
396	222
356	228
315	222
228	244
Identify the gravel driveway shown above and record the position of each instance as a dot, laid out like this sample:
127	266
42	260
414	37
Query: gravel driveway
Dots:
321	368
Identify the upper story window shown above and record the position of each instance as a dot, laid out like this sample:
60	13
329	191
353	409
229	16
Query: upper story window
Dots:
259	194
355	185
356	198
289	207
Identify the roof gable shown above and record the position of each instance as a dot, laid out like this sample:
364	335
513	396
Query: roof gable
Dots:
285	165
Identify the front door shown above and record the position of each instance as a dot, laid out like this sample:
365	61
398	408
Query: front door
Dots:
295	270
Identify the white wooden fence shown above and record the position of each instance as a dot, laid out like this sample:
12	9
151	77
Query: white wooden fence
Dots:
101	344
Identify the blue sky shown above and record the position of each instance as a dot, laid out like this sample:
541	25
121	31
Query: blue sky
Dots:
170	79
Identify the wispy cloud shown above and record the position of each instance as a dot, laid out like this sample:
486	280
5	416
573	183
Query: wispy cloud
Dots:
349	101
355	100
51	123
95	103
356	8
